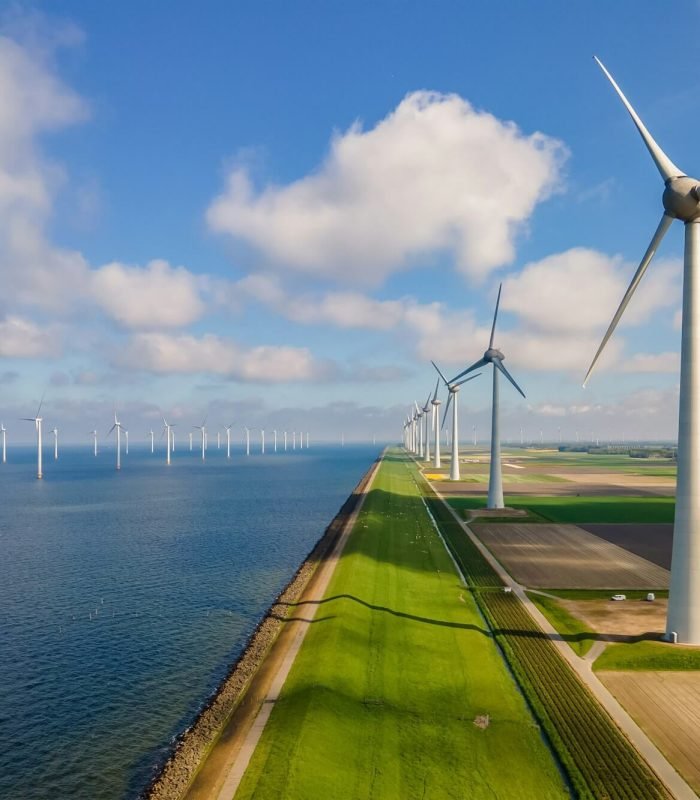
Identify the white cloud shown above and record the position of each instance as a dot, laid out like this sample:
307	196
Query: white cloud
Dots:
154	296
22	338
434	175
652	362
164	353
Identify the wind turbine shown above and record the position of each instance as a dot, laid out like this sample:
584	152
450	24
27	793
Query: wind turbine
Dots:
152	442
247	440
3	431
118	427
55	444
285	441
418	414
496	358
203	429
228	441
275	435
190	441
218	440
436	424
94	442
126	437
262	440
681	200
307	440
37	420
167	430
453	388
426	436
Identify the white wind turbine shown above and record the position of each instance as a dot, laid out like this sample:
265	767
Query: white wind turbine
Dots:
307	440
118	427
3	431
247	440
285	441
436	425
190	441
274	433
37	420
419	428
228	441
203	429
126	442
152	441
218	440
496	358
681	200
94	442
168	431
262	440
453	389
55	444
426	435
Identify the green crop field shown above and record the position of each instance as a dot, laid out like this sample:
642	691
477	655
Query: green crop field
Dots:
575	632
395	670
582	509
648	656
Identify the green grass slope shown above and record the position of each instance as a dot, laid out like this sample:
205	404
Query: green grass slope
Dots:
648	656
575	632
382	698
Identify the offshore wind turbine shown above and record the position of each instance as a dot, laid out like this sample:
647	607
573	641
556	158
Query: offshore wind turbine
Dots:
37	420
496	358
262	440
152	442
681	200
118	427
203	429
126	438
55	444
453	389
275	435
285	441
3	431
307	440
247	440
436	426
228	441
167	429
94	442
190	441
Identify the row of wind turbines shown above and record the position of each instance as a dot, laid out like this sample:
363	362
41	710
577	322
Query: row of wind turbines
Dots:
681	201
297	437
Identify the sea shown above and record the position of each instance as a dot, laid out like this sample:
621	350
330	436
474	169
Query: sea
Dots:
126	596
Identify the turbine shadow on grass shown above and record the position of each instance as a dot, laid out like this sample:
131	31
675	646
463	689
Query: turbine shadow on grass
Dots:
413	617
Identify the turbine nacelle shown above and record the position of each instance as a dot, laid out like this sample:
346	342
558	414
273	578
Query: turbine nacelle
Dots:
681	198
493	354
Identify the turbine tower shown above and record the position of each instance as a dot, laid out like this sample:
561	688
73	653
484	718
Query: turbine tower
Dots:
681	200
152	442
285	441
426	434
203	429
190	441
37	420
94	442
436	427
274	433
262	440
419	428
247	441
126	442
55	444
118	427
3	431
453	388
228	441
167	430
495	357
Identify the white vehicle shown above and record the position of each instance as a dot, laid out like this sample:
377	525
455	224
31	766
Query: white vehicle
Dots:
619	597
651	597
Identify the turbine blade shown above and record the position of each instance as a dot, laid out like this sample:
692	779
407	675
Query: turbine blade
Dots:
482	362
437	386
444	379
499	365
466	380
447	405
638	275
663	163
41	403
495	315
110	430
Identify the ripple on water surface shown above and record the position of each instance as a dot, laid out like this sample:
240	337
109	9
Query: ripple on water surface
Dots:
124	598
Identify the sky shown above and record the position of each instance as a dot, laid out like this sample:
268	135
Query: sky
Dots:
276	214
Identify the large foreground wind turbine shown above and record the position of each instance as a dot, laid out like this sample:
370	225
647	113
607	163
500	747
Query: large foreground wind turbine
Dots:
681	200
495	357
453	388
37	420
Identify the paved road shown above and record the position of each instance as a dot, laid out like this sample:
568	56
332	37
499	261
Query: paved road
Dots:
675	784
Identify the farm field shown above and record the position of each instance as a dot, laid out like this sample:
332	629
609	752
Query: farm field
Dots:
650	540
398	690
667	706
566	556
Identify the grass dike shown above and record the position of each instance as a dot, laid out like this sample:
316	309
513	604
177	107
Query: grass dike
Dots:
234	697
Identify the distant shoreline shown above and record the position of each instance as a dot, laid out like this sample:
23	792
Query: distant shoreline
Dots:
191	747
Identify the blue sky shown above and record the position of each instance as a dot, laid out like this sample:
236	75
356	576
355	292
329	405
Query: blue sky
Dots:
279	212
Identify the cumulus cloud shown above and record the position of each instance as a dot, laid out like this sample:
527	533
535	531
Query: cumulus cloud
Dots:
22	338
434	175
210	354
154	296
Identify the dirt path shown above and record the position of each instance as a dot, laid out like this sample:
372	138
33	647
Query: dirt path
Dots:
668	775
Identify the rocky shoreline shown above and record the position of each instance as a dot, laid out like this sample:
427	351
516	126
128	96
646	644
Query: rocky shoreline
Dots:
174	777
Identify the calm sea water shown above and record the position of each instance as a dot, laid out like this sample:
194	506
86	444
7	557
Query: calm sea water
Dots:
124	598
